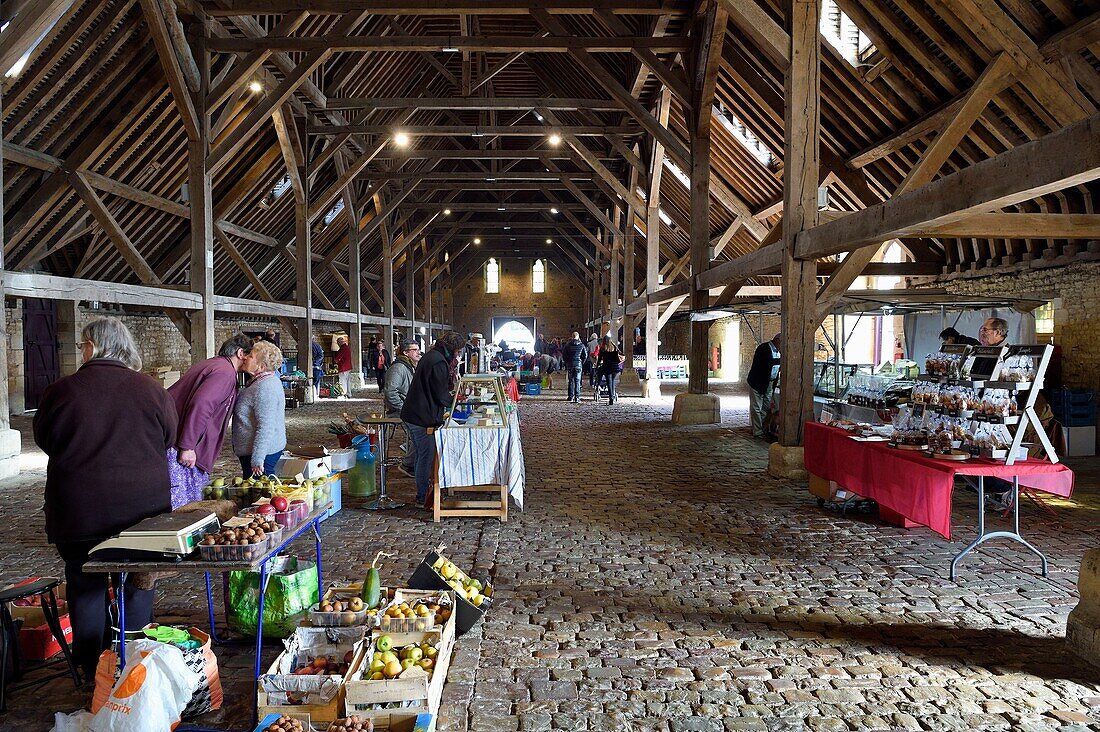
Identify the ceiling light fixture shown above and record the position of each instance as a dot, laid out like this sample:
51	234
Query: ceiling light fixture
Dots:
446	212
549	241
255	87
477	240
554	211
501	208
554	139
401	139
450	50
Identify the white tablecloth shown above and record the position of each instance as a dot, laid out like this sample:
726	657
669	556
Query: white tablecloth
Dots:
482	456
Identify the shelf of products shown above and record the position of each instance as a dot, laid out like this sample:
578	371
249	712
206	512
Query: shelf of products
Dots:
480	401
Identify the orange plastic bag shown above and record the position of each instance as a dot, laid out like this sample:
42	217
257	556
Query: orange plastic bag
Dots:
207	696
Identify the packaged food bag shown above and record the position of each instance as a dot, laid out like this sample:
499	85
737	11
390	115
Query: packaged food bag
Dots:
152	692
291	591
201	660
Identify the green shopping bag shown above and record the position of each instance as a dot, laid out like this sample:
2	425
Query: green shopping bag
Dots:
291	592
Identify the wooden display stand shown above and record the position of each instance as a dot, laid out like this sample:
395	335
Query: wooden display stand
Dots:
448	505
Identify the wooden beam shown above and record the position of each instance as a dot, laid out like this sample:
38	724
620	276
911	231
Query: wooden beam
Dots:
1058	161
766	34
1078	36
1021	226
415	131
169	61
990	83
291	147
340	43
247	67
31	158
201	198
801	153
51	287
604	78
499	104
670	310
630	197
443	7
31	20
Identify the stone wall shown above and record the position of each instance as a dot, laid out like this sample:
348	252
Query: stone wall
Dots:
1075	291
557	312
159	341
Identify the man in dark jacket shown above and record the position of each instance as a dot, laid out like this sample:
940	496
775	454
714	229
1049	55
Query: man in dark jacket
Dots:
106	430
574	354
763	374
317	355
428	399
951	337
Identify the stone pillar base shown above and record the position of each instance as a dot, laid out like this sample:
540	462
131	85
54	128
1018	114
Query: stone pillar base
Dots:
786	462
630	378
1083	626
651	388
357	382
691	408
10	448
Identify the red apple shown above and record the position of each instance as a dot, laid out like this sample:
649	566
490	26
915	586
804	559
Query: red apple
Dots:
267	509
279	503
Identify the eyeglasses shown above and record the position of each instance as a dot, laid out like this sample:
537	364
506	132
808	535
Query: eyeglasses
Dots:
80	346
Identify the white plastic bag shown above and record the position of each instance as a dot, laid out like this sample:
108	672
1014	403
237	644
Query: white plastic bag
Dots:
154	688
75	722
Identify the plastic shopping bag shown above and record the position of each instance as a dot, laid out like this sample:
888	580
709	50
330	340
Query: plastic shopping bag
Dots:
75	722
291	591
201	660
152	692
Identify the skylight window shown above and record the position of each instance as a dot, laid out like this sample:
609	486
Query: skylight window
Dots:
743	135
334	211
17	68
680	175
281	187
843	34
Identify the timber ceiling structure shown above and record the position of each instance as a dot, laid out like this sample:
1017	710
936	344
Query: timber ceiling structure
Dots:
309	96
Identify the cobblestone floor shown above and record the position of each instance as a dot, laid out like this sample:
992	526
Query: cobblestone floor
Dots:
659	580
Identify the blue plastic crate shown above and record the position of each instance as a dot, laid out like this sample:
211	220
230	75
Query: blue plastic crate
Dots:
1074	407
532	389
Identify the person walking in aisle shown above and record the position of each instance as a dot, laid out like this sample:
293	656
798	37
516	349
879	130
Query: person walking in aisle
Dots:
259	415
204	398
343	365
428	400
318	355
105	430
381	363
763	374
574	355
608	365
398	380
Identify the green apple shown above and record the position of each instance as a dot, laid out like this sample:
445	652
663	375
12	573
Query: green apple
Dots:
376	665
408	662
384	643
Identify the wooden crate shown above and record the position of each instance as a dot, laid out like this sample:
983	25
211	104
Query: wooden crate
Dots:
495	507
360	694
325	713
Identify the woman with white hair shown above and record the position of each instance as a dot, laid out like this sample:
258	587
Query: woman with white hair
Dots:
259	415
105	429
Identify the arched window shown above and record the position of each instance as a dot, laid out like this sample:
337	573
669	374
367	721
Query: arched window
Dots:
492	276
538	276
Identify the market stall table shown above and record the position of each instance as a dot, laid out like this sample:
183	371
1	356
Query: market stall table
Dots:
471	458
261	564
919	487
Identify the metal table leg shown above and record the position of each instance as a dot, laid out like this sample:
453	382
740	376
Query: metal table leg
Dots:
984	536
122	619
383	502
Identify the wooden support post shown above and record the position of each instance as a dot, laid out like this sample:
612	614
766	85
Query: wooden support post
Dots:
698	406
616	243
355	284
802	112
200	193
294	154
9	438
630	376
652	388
387	273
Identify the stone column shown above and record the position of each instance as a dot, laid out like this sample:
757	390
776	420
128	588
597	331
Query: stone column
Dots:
69	325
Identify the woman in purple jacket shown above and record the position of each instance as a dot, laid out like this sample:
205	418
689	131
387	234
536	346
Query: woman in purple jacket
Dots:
204	398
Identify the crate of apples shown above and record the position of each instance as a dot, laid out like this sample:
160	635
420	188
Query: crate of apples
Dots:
403	617
388	662
325	666
332	612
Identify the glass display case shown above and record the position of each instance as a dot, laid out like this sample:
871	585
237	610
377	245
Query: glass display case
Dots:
480	400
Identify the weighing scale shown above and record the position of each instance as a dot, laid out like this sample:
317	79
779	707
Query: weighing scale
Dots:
169	536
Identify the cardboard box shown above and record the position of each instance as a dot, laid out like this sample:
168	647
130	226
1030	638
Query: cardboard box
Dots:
322	697
36	641
826	490
290	465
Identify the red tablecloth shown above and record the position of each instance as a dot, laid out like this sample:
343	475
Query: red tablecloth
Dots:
915	486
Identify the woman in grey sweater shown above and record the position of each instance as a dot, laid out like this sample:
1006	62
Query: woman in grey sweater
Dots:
259	417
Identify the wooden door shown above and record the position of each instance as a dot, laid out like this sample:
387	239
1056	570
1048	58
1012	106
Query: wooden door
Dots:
39	349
